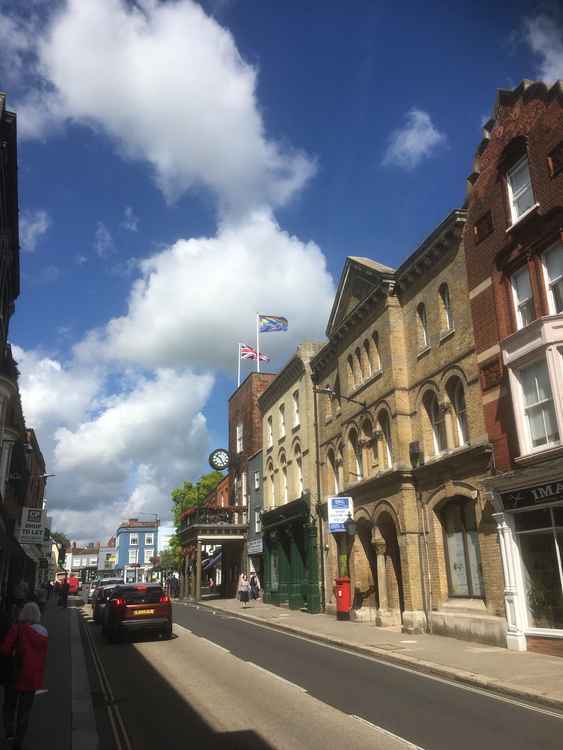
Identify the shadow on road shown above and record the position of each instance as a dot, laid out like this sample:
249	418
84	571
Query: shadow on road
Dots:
156	715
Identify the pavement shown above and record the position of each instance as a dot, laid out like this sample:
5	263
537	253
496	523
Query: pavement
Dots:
523	675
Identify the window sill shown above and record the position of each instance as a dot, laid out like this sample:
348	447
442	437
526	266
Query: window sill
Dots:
423	352
446	335
542	453
520	219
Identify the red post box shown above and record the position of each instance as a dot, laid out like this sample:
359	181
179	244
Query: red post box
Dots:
343	600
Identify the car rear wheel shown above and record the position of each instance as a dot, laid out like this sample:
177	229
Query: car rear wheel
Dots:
167	632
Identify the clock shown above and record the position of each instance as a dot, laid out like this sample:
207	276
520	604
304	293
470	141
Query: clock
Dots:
219	459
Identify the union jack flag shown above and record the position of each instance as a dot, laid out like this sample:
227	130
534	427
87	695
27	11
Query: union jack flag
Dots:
247	352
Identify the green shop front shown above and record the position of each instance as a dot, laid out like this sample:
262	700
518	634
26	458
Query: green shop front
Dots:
291	556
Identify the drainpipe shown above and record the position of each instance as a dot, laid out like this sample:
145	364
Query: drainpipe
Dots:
319	505
427	578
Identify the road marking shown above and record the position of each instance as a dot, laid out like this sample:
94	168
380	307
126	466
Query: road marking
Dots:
444	680
215	645
276	676
181	627
394	736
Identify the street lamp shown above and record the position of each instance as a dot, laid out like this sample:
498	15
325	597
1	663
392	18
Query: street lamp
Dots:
328	390
351	526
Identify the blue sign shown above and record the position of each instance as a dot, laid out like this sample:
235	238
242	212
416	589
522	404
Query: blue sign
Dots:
339	508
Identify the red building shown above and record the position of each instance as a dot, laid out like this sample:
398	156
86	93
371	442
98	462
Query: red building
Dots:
514	252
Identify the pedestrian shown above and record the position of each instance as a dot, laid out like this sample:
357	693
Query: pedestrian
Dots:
20	594
26	642
63	597
254	586
243	589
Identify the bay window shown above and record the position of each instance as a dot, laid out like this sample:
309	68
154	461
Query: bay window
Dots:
553	264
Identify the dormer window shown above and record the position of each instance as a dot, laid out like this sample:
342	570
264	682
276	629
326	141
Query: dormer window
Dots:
520	193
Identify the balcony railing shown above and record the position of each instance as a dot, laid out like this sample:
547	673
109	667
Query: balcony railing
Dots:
236	516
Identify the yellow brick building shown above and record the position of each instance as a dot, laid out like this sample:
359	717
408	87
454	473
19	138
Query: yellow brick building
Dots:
404	436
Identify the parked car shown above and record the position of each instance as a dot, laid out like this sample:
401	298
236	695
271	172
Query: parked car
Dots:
91	588
101	595
137	607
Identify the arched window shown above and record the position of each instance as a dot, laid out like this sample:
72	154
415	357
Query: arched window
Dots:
462	547
358	363
298	460
375	357
340	467
369	448
283	473
422	325
366	360
356	463
332	473
271	485
446	314
456	394
386	445
436	420
350	371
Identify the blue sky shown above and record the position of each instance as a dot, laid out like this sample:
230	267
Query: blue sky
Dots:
183	166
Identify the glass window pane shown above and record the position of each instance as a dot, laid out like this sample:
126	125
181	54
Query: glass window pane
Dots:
519	176
557	296
532	519
522	286
456	551
474	558
558	517
541	579
554	263
524	202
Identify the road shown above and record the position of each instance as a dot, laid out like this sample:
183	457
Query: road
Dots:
225	683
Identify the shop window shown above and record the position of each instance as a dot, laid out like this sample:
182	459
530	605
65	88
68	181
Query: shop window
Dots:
483	227
553	264
422	326
539	409
523	300
462	549
435	418
555	160
446	314
456	394
540	539
520	193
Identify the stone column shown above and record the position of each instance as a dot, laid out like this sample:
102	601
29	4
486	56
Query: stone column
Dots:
380	548
513	594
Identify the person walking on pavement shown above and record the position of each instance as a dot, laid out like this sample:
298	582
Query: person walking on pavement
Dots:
63	597
26	642
254	586
243	589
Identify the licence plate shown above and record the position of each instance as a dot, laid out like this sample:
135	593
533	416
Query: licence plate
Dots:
144	611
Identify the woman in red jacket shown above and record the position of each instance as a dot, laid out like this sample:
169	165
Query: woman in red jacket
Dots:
27	641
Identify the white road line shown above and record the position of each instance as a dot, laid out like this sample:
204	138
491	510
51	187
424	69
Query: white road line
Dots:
215	645
405	743
435	678
181	627
276	676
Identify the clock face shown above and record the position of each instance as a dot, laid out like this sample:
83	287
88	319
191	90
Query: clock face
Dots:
219	459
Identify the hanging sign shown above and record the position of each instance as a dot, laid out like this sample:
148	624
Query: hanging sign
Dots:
32	526
339	508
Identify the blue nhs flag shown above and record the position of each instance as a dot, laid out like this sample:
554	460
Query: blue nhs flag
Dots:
339	508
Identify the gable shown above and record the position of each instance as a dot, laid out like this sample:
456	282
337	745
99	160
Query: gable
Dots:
357	282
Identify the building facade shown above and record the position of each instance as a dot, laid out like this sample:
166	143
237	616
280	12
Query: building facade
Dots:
514	243
289	480
82	562
135	546
404	436
107	558
254	540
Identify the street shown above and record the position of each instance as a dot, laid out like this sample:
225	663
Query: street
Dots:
224	683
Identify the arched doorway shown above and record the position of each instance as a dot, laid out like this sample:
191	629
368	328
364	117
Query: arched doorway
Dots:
365	588
390	581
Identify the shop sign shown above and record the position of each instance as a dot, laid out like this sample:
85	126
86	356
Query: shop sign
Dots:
32	526
339	508
530	496
255	546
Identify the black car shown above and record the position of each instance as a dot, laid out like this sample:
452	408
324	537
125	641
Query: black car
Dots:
137	607
100	597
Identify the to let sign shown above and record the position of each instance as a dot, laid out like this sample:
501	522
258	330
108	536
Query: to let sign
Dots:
32	526
339	508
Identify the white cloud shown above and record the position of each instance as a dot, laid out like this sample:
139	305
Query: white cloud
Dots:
418	139
80	259
198	298
118	66
103	241
545	38
115	453
33	225
130	220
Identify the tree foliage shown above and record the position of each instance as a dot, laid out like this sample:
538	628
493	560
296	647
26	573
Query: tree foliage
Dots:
63	542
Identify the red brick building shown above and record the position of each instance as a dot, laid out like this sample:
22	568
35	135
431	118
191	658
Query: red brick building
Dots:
514	253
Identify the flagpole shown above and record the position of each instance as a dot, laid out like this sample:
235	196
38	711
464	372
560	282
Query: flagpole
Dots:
238	366
257	342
